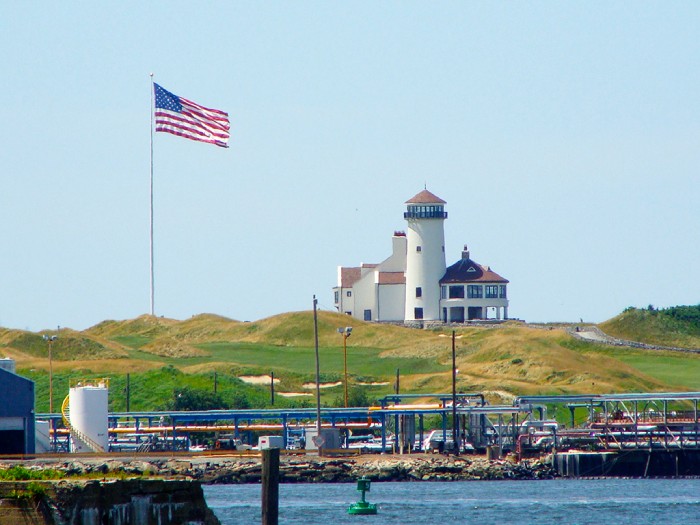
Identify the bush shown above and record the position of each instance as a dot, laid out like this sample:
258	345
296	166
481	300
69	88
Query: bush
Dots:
688	314
357	397
190	399
19	473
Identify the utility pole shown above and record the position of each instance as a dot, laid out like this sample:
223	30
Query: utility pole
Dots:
345	332
128	392
50	340
319	438
455	422
272	388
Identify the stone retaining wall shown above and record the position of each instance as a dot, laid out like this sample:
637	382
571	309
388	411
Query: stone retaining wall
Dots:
307	469
118	502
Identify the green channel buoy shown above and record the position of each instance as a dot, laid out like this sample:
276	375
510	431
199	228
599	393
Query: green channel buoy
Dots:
362	506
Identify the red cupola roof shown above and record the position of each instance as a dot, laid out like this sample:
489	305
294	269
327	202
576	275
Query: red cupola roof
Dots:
425	197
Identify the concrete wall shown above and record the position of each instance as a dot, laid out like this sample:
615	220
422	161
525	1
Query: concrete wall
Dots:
391	302
630	463
118	502
365	292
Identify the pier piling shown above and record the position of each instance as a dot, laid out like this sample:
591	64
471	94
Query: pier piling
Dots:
270	485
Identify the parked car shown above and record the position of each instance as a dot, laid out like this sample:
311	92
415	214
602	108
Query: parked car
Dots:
442	441
231	443
371	444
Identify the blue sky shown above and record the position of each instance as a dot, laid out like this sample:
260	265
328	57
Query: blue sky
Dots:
564	137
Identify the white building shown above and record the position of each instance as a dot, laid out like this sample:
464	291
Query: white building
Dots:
414	285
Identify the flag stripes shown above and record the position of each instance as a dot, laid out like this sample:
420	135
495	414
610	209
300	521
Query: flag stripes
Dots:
184	118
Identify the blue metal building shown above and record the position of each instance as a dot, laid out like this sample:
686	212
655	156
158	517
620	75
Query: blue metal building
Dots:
17	432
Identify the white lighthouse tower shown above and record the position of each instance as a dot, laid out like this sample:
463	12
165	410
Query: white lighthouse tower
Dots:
425	256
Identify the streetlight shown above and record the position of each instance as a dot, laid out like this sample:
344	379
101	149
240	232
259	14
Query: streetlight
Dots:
345	332
50	339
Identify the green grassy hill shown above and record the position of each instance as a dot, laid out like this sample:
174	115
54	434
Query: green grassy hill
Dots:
162	355
678	326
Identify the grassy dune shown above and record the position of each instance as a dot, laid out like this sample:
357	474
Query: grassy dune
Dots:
503	361
655	327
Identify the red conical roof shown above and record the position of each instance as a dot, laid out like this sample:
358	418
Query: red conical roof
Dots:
425	197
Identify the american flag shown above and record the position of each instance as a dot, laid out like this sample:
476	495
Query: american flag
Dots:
185	118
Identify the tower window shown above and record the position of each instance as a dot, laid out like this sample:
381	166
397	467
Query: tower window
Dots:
418	249
418	313
419	291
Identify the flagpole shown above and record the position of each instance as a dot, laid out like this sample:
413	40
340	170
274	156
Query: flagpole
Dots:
151	214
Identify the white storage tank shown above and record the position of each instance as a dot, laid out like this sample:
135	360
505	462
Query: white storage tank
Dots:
88	409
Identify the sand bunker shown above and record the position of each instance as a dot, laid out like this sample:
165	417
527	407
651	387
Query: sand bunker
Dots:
257	380
322	385
383	383
294	394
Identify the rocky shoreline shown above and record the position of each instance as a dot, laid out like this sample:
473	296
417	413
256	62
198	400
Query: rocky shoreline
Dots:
303	469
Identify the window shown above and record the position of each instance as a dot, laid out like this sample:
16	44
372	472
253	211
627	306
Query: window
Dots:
418	313
337	296
457	292
491	291
348	293
425	212
418	249
443	292
502	293
419	291
475	291
368	315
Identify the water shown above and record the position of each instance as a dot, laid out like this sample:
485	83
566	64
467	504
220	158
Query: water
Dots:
571	502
